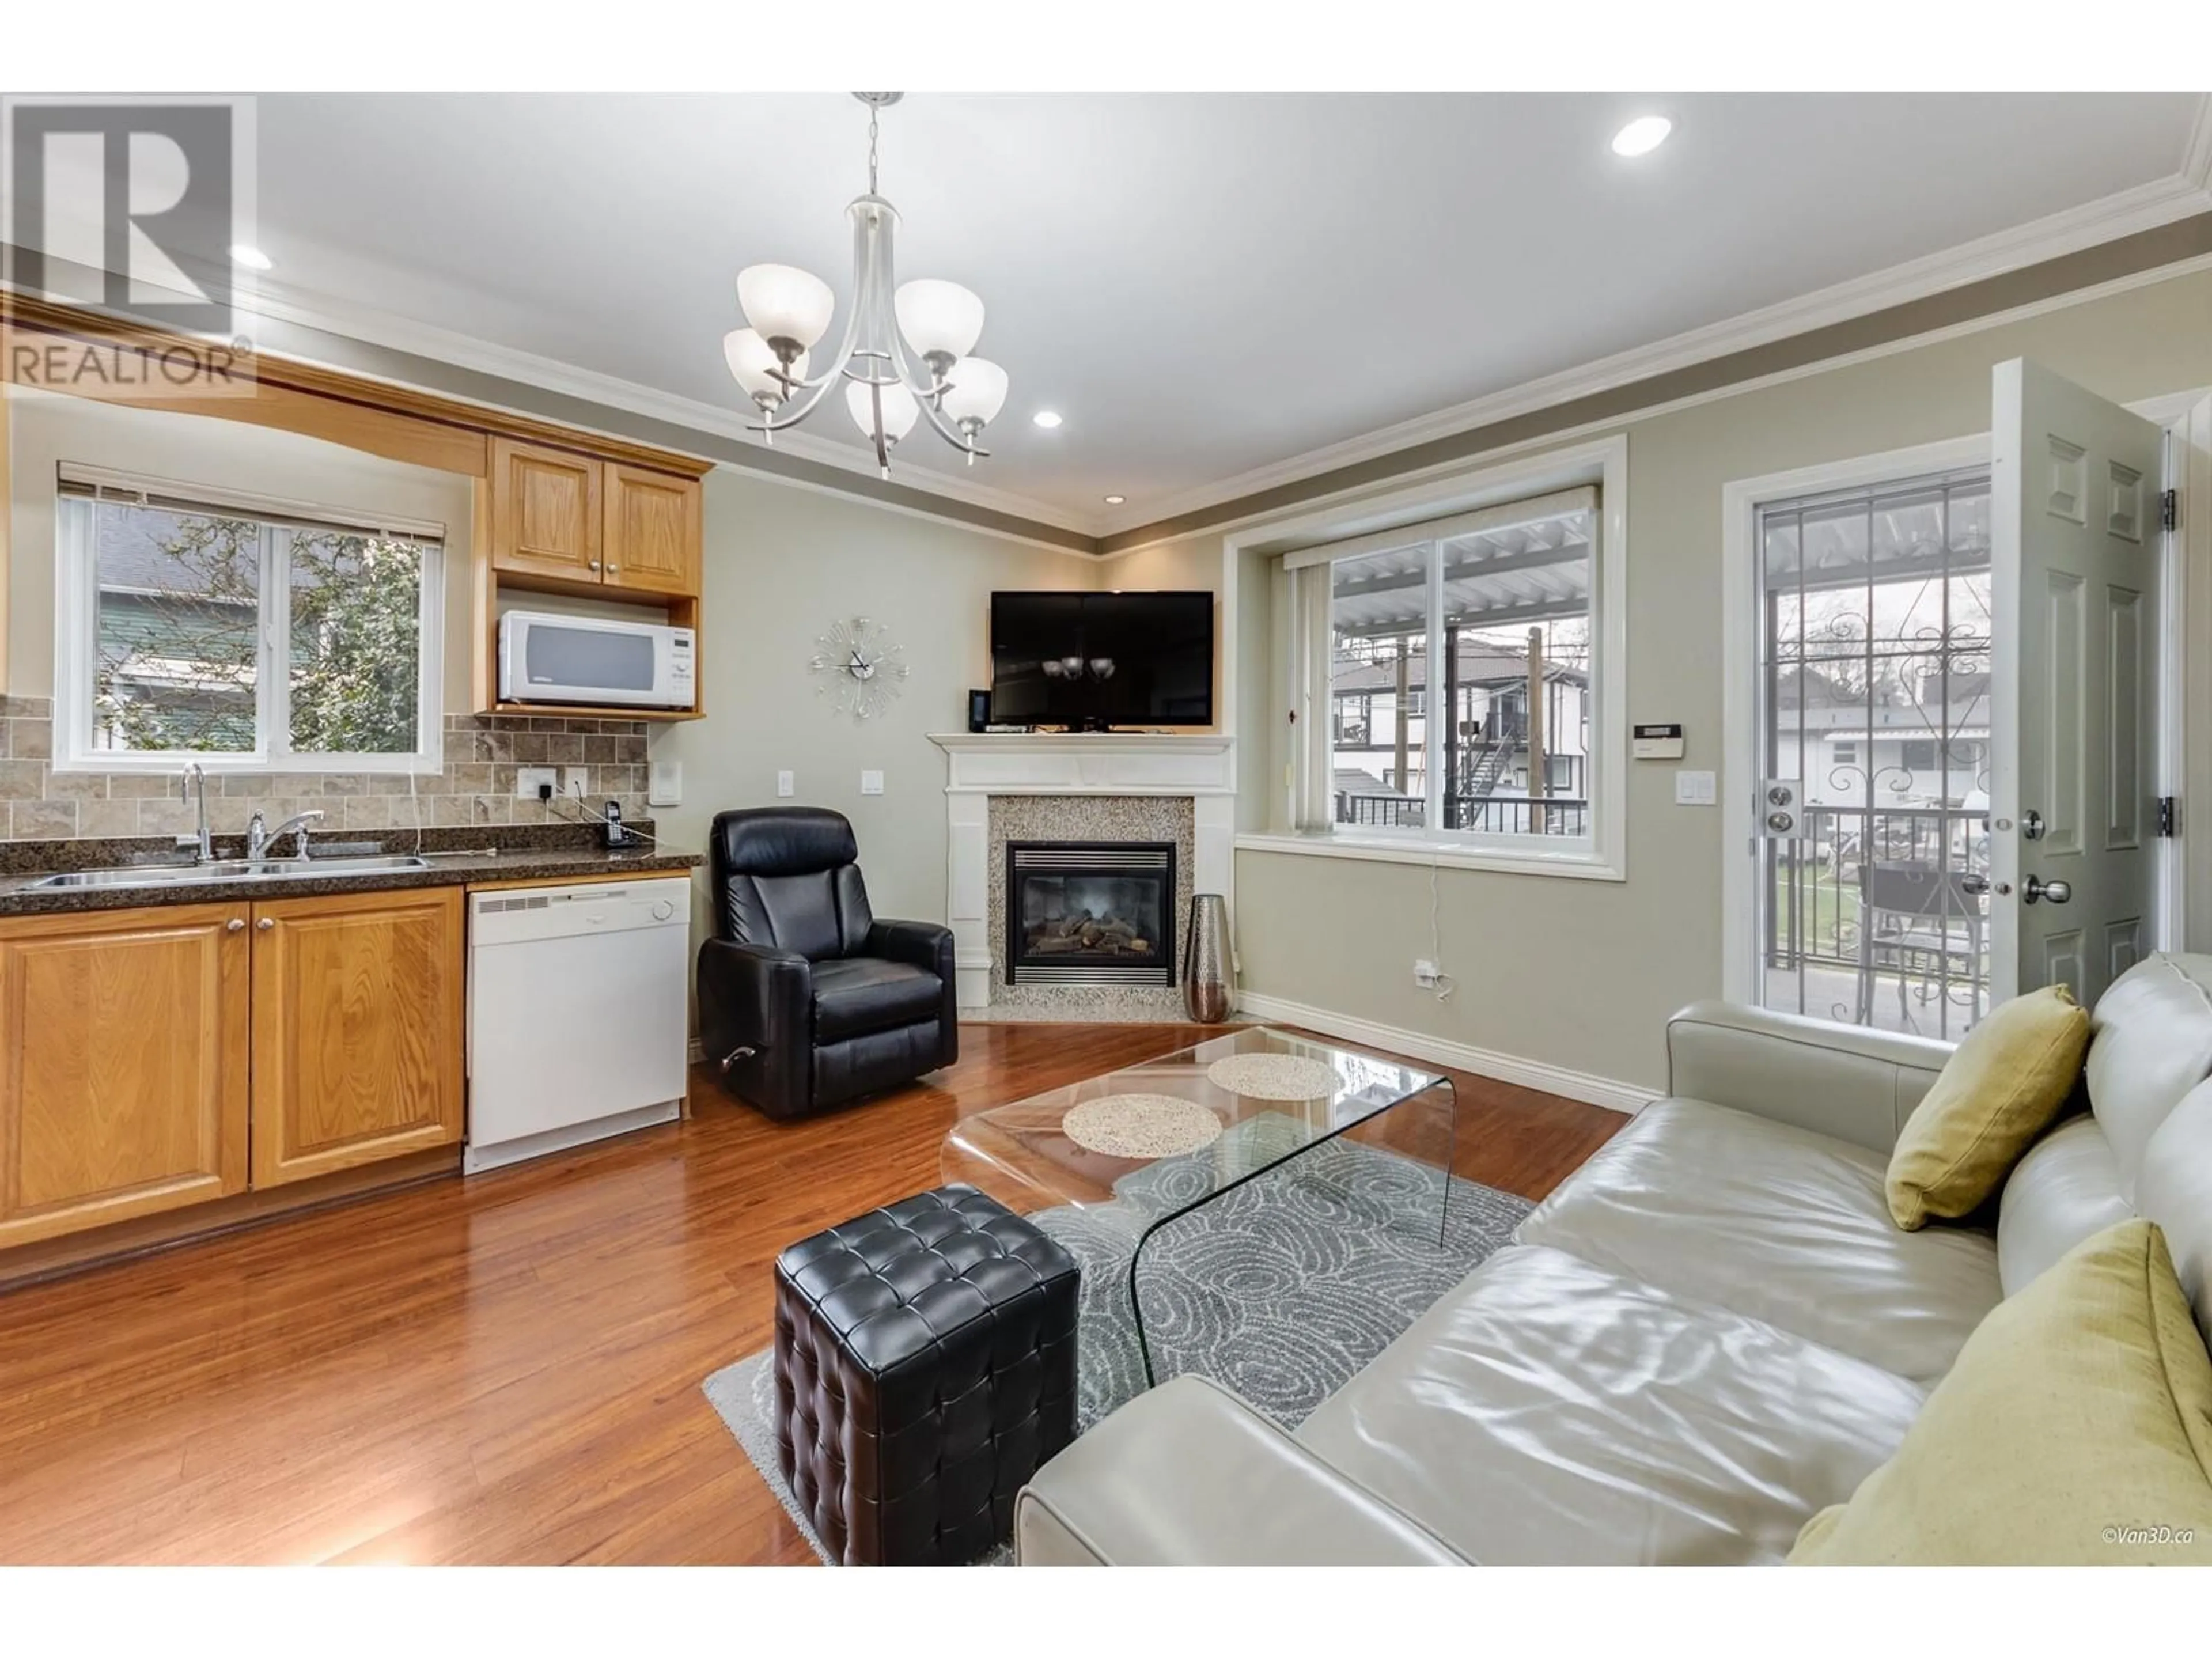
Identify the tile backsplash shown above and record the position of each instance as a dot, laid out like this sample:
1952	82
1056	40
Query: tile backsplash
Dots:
482	752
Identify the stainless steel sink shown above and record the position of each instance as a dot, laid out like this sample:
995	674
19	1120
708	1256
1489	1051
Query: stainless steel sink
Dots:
227	870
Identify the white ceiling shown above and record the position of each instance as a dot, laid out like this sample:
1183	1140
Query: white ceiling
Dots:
1203	285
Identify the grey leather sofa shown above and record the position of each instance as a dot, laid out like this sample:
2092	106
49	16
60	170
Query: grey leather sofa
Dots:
1709	1331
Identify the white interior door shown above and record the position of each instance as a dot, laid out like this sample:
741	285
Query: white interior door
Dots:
2190	745
2074	558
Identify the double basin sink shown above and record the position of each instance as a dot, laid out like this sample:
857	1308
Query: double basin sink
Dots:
225	870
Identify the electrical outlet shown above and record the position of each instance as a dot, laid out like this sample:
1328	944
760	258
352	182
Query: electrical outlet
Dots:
784	784
872	783
529	779
1425	974
576	781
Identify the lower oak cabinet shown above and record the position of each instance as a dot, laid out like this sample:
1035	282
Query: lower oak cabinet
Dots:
357	1030
155	1057
123	1037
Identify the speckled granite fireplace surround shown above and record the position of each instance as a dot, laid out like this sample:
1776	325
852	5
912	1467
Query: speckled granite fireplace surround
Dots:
1006	787
1089	818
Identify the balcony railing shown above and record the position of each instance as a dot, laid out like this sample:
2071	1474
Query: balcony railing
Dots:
1492	815
1873	906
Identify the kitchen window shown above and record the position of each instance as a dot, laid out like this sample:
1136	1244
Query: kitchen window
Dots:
243	634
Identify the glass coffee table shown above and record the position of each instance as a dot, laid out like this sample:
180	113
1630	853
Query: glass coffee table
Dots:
1203	1122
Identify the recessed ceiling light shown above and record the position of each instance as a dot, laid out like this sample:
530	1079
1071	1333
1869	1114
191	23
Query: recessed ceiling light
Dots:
1642	136
1046	418
1116	500
252	258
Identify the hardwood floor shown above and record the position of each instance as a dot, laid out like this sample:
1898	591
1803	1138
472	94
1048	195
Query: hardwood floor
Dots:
507	1370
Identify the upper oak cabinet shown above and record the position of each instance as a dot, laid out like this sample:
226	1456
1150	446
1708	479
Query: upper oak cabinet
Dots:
545	511
652	533
572	521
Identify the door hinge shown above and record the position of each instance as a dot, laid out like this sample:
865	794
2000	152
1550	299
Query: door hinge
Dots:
2169	510
2165	817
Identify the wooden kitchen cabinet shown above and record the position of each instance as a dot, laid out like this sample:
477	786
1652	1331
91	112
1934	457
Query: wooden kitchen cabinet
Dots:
652	537
573	523
546	512
124	1065
357	1030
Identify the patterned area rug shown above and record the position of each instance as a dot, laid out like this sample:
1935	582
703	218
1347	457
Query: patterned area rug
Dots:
1281	1289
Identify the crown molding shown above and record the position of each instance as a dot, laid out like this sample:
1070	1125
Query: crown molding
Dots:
281	303
2196	157
2143	207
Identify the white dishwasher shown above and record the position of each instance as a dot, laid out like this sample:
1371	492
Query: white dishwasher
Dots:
576	1014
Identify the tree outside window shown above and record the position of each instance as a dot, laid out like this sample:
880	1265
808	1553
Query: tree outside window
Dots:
182	601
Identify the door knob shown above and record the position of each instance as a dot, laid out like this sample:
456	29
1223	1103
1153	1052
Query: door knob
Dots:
2036	888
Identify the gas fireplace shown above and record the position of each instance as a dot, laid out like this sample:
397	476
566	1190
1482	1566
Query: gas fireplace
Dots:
1090	913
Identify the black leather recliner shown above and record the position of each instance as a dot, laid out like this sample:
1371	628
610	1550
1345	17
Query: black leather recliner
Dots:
805	999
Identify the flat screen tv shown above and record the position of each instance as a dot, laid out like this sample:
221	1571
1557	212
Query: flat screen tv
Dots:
1092	660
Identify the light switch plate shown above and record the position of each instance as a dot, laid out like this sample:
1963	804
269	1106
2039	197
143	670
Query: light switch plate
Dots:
664	784
872	783
1695	789
783	784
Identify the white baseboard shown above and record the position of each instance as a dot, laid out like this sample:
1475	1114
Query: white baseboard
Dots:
1608	1092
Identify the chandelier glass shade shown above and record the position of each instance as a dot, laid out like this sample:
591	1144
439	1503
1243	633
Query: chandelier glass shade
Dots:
904	356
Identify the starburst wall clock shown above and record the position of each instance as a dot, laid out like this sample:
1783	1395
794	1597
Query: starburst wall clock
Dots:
859	667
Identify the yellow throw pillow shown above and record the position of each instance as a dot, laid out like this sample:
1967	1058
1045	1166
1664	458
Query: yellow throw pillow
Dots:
1999	1089
2075	1429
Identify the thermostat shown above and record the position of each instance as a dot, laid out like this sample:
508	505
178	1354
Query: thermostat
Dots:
1660	742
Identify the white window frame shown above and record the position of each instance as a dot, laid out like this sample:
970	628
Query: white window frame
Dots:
1601	855
77	582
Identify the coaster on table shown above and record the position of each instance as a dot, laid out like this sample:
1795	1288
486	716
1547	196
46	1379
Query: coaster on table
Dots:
1274	1077
1141	1126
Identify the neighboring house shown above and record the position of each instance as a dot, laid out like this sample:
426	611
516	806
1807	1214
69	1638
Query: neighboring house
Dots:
1923	743
179	629
1491	757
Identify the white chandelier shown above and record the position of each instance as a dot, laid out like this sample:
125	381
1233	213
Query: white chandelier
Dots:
904	355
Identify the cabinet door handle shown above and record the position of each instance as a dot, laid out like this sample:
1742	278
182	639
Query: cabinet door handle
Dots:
265	923
611	568
235	925
595	564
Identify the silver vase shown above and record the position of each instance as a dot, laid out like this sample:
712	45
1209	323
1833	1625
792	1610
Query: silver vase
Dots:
1209	995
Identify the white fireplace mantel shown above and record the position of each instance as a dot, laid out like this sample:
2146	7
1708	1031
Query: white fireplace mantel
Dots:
1089	763
1200	765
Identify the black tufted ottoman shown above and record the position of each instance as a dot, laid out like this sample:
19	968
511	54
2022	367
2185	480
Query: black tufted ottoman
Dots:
925	1366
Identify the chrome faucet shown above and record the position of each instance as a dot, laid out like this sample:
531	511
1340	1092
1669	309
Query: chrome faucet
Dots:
260	837
192	785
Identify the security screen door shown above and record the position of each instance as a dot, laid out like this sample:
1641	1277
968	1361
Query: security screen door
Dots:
1875	726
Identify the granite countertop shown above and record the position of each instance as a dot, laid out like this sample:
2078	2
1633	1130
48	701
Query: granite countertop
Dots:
457	858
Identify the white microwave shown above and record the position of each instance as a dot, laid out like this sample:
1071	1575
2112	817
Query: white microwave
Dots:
549	658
